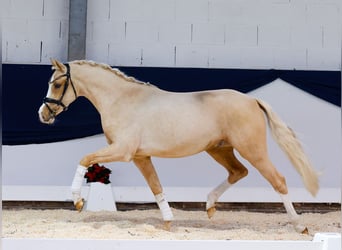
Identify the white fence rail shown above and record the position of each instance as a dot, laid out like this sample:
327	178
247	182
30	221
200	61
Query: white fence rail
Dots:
321	241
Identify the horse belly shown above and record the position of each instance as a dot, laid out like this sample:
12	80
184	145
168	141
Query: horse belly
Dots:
172	150
179	137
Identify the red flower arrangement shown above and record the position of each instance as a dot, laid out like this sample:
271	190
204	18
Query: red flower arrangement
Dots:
97	173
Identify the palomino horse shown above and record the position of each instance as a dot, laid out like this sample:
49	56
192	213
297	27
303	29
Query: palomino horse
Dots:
140	120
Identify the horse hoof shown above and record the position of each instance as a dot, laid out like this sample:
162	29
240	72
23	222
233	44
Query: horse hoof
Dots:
301	229
305	231
79	205
167	225
211	211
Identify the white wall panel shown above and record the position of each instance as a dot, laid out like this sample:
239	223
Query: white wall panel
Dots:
229	12
307	35
322	13
109	31
192	10
53	50
99	10
123	54
241	35
47	30
14	30
55	9
274	36
175	33
158	11
224	56
24	51
324	58
141	32
331	37
96	54
192	56
127	10
257	58
208	33
35	30
157	54
290	58
142	10
26	9
5	10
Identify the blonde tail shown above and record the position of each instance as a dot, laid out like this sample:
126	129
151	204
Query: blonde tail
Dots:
289	143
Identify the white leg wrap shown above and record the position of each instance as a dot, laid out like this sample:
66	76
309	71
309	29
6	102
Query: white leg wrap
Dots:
164	207
289	207
294	217
77	183
216	193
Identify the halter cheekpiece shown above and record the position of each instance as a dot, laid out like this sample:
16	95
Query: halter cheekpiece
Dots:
59	102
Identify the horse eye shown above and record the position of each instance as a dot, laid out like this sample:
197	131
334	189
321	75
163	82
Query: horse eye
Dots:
57	85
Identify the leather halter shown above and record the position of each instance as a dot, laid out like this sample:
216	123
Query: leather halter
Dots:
59	102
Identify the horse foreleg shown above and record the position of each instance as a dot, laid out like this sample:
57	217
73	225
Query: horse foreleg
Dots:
225	156
113	152
76	187
108	154
214	195
148	171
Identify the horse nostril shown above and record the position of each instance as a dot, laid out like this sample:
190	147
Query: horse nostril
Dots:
43	116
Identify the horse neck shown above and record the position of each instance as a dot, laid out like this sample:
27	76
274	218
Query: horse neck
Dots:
96	84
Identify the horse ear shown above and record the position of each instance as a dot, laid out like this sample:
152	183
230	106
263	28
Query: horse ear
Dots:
57	65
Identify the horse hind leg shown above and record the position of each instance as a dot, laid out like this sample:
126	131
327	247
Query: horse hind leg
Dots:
262	163
279	184
236	171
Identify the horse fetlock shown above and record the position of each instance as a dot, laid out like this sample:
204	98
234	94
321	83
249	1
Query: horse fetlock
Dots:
164	207
211	199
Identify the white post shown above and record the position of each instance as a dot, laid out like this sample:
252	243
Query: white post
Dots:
100	198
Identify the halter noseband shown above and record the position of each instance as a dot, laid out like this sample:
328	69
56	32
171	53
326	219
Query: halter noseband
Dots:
59	102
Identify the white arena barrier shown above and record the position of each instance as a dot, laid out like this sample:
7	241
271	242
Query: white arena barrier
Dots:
321	241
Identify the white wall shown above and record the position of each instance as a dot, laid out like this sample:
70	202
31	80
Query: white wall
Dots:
318	124
33	31
282	34
278	34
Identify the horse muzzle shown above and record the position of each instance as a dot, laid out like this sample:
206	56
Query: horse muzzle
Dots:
46	115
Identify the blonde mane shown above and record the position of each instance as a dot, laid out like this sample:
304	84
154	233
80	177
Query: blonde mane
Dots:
114	70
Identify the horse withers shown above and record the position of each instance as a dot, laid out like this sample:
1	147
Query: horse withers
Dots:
140	121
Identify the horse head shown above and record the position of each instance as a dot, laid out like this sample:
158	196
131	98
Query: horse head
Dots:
59	95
